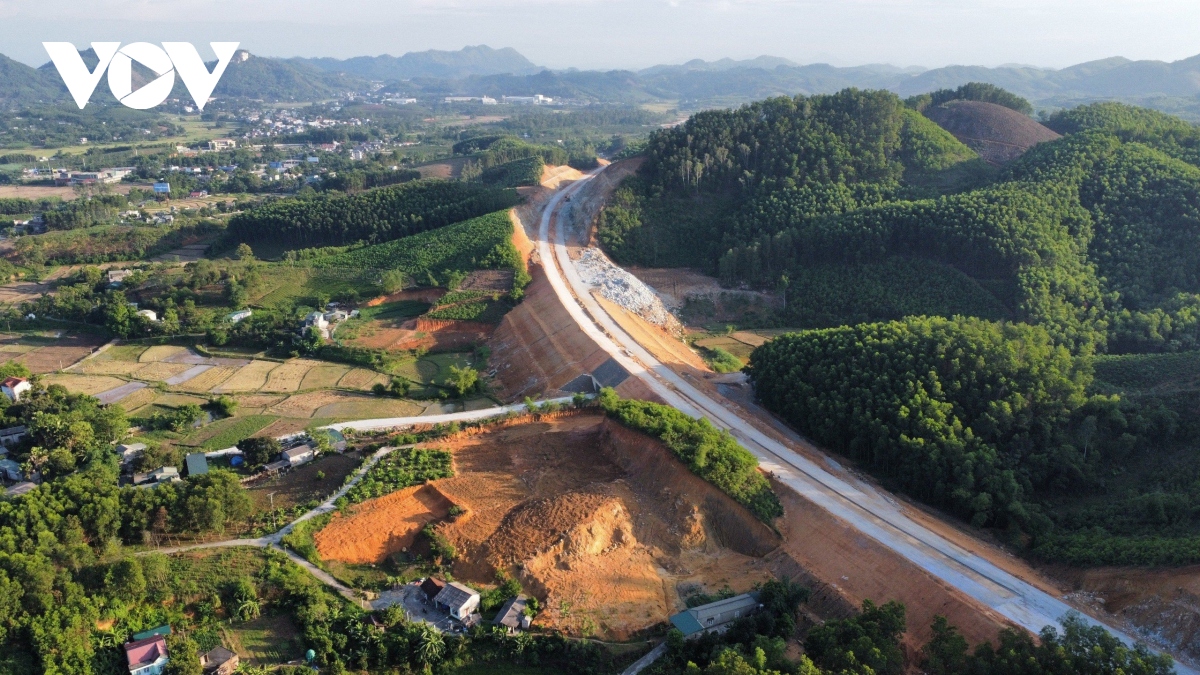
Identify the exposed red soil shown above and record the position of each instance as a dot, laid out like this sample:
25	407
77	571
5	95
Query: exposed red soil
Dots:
998	134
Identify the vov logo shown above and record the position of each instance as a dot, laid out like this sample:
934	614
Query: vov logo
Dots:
171	58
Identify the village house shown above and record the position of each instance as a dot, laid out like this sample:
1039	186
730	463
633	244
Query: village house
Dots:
301	454
130	452
218	144
12	435
147	656
166	474
715	616
10	470
431	587
512	615
14	387
218	661
148	314
117	277
317	320
459	600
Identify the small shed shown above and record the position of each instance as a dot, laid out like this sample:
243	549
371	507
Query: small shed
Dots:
512	615
301	454
218	661
196	464
10	470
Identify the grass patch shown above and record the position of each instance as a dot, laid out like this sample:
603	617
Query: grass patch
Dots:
268	640
722	361
300	539
227	432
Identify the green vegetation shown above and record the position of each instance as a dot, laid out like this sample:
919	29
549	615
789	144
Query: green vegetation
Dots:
710	453
434	257
105	243
972	91
234	429
404	467
721	360
375	216
517	173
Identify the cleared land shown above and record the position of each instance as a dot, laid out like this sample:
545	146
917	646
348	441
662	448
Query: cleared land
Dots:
601	523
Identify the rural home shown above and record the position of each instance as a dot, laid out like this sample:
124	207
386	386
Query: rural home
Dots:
301	454
148	314
218	144
317	320
118	276
130	452
512	615
715	616
14	387
431	587
147	656
219	661
167	474
459	600
12	435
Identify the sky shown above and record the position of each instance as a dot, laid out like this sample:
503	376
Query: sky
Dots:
608	34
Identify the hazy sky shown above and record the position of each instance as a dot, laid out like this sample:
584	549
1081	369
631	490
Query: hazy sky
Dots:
635	33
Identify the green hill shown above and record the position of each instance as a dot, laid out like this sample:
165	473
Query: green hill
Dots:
955	322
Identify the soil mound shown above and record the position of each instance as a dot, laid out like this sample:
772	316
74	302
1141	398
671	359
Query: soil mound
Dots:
375	529
997	133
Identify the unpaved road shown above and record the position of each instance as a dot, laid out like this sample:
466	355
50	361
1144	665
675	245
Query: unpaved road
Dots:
867	509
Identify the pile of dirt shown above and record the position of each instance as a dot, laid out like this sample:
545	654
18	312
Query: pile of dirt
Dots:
376	528
998	134
600	522
1160	606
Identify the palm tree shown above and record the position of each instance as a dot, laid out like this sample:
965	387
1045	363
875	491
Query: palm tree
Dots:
249	609
430	644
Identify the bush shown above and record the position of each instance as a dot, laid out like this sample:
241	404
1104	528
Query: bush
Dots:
710	453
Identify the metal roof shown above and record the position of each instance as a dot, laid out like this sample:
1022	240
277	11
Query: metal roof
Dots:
196	464
455	595
510	612
714	614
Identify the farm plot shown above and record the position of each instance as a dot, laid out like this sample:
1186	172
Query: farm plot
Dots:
323	377
84	384
160	353
227	432
361	378
207	380
287	377
102	366
249	378
58	353
253	404
160	371
363	407
139	398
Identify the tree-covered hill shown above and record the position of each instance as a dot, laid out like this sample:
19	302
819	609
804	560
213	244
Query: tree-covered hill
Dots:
955	311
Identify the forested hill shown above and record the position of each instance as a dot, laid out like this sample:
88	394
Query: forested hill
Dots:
870	220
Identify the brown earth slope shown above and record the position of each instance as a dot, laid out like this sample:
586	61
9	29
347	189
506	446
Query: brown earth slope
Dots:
603	524
997	133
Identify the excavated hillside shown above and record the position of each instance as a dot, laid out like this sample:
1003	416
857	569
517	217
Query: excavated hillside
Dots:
998	134
603	524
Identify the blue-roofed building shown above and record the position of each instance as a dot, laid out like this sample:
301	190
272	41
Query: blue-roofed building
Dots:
715	616
161	630
162	188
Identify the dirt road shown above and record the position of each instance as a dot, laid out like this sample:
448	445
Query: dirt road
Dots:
872	512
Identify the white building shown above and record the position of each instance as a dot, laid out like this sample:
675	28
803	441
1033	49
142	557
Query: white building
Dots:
14	387
460	600
239	315
148	314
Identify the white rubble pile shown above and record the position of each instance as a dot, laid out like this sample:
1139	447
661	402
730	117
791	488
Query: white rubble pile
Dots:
622	288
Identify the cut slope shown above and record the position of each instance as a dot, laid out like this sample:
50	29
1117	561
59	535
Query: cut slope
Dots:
997	133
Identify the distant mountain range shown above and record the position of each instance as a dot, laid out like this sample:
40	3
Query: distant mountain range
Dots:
468	61
1173	87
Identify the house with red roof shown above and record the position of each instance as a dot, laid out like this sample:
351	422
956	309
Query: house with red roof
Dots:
147	656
